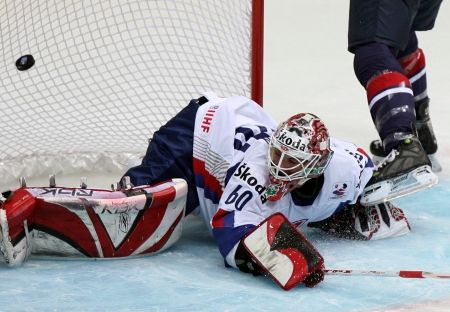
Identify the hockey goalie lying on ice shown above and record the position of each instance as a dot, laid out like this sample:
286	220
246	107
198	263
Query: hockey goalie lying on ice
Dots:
255	185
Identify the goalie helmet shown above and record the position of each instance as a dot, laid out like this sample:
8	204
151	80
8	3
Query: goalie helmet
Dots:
298	150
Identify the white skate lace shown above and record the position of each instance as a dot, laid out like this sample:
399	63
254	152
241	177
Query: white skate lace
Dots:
388	159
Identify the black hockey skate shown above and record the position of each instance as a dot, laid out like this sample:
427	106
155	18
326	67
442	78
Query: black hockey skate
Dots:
405	170
425	133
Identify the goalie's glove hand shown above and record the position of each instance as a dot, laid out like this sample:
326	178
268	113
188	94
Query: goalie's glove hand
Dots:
245	262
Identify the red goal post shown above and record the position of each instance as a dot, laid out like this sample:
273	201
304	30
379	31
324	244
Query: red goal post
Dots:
107	74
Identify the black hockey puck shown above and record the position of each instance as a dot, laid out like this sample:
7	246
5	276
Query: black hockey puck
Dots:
25	62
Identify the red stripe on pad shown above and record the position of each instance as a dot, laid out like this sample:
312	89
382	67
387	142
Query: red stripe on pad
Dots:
149	222
64	222
384	81
413	63
157	246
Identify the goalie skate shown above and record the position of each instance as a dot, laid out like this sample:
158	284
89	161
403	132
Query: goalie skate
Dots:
409	183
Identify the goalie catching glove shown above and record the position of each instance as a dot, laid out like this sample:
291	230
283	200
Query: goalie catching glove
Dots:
275	247
358	222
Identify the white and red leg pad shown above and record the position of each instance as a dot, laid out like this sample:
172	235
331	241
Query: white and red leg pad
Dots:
283	252
16	215
106	224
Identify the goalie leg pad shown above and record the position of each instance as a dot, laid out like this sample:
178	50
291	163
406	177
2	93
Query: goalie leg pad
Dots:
109	224
16	221
90	222
283	252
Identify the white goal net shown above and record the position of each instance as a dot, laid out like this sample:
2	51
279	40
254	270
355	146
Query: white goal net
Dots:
108	73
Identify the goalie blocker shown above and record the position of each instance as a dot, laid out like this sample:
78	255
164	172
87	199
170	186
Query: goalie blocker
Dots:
79	222
275	247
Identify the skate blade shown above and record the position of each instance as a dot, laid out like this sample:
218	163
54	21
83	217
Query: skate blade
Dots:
412	182
435	165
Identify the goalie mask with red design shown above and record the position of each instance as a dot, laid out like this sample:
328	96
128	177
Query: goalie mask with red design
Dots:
298	150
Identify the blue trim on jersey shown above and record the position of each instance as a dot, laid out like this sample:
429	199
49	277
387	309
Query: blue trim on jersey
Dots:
263	129
228	237
230	172
238	145
248	134
210	194
369	163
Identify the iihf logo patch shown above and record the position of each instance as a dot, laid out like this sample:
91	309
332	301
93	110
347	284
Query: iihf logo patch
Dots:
340	189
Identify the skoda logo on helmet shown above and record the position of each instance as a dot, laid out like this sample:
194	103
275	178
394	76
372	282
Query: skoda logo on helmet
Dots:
290	140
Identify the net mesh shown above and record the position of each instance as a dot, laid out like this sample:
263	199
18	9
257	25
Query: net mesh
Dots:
107	74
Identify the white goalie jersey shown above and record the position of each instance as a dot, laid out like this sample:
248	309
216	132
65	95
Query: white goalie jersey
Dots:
230	165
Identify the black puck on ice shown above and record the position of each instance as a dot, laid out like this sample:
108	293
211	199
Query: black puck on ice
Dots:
25	62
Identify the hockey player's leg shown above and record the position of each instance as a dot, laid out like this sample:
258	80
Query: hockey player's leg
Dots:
16	222
412	60
407	168
365	223
278	249
169	154
425	134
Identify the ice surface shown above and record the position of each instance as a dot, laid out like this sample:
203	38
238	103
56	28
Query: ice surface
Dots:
307	68
191	276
